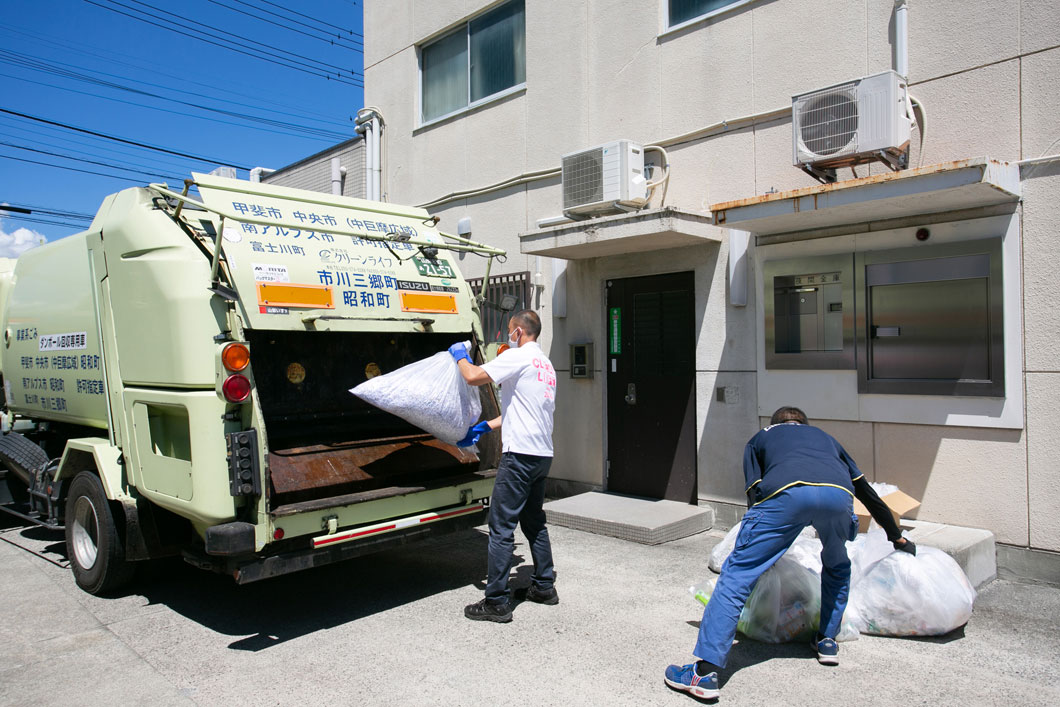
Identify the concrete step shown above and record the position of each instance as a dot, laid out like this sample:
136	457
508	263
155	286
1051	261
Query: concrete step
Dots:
644	520
972	548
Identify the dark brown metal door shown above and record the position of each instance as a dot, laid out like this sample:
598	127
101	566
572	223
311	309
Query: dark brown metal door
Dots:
651	404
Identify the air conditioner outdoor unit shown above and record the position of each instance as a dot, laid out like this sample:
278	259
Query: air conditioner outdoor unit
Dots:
604	179
851	123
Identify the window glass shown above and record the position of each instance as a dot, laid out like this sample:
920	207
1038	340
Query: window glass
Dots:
498	56
684	10
445	75
497	45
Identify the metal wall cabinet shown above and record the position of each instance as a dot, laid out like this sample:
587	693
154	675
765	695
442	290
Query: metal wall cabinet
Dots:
930	320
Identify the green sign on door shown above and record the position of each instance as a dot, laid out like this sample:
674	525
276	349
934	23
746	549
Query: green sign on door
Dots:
616	331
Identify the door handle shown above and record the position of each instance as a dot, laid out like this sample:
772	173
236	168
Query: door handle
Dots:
881	331
631	394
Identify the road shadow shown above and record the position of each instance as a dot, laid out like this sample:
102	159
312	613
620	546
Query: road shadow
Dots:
267	613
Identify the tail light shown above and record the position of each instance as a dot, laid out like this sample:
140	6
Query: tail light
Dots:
236	388
235	357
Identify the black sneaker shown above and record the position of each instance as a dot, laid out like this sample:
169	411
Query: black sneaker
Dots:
542	596
483	610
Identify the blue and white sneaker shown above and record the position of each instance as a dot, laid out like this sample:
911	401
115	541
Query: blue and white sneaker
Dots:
827	650
684	678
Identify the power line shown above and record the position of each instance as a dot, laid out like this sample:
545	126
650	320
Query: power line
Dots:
308	17
122	140
227	42
85	171
40	210
86	141
329	40
113	58
150	173
114	154
47	222
294	130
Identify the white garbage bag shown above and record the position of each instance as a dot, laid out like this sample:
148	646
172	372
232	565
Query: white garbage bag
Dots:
897	594
430	394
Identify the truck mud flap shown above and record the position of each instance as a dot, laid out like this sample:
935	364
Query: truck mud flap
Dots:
450	520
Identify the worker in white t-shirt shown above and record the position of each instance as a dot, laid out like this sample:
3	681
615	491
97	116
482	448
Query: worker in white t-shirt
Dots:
528	401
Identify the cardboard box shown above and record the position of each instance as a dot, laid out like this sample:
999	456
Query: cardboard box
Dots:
900	504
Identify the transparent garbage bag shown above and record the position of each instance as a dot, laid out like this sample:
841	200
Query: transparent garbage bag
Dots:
430	394
806	548
898	594
785	604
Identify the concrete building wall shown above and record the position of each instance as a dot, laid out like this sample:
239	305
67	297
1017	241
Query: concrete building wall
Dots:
600	70
314	173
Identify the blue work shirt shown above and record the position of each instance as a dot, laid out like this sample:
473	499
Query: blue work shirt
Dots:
792	454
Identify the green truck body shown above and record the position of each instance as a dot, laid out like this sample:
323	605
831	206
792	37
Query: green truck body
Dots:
176	379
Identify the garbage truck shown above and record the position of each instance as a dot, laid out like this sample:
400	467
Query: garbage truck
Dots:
176	381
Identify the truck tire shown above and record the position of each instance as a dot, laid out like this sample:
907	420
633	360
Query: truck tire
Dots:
93	542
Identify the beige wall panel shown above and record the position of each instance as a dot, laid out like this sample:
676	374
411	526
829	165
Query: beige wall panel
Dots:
497	219
974	477
393	87
946	36
725	428
624	96
1041	263
1039	24
710	171
856	438
726	339
383	35
494	144
1040	99
557	84
972	114
799	49
772	157
430	16
705	74
438	158
1043	459
879	36
578	430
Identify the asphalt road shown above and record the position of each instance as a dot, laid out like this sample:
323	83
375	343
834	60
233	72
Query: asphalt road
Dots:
389	629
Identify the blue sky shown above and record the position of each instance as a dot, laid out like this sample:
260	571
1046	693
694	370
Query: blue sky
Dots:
274	82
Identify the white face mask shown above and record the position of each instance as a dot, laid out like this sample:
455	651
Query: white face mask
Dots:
513	339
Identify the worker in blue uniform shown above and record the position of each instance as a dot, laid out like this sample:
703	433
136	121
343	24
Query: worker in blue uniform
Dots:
797	475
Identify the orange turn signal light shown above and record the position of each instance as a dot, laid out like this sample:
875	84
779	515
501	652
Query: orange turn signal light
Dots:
235	357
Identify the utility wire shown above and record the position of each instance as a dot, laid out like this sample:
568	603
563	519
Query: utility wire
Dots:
328	40
124	161
40	210
158	161
311	132
113	58
308	17
123	140
77	159
226	41
86	171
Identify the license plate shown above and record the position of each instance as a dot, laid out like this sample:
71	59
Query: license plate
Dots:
433	268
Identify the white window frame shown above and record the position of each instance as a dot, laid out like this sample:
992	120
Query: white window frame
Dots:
464	27
667	29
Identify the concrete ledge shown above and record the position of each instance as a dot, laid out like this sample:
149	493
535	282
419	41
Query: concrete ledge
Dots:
972	548
643	520
1024	564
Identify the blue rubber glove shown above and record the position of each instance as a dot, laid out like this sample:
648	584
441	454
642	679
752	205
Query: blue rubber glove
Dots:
459	352
474	433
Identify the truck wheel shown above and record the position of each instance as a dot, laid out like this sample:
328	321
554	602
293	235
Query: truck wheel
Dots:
93	543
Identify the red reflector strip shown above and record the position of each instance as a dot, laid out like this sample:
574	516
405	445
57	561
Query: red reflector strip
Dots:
389	526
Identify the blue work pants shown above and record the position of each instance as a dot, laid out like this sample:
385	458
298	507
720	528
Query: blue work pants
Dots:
768	530
518	497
